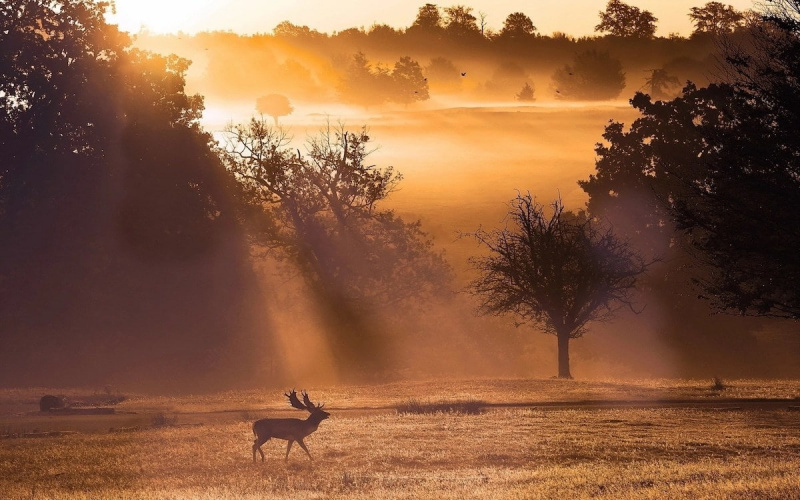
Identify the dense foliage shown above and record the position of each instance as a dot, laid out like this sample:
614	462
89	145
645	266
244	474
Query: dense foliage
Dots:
356	257
113	207
720	164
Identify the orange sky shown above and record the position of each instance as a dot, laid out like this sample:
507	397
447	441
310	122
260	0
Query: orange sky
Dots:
575	17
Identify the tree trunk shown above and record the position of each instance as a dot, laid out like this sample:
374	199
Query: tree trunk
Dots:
563	355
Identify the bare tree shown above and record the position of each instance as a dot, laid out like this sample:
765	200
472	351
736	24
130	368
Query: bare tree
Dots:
560	272
482	17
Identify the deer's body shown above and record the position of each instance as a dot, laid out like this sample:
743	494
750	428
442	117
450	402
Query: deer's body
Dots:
289	429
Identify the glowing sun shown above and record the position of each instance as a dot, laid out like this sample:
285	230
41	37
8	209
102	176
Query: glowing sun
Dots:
162	16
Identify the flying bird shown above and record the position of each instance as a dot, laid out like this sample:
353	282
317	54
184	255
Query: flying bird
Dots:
464	73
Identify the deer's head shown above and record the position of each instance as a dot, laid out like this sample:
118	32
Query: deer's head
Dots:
316	411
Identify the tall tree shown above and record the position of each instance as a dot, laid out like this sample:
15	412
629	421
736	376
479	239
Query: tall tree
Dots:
720	165
364	84
560	271
105	179
356	257
621	19
517	26
716	18
460	23
429	19
410	84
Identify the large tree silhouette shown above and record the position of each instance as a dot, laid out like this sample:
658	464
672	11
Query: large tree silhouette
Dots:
560	271
370	85
621	19
410	85
356	257
105	179
720	165
517	27
716	18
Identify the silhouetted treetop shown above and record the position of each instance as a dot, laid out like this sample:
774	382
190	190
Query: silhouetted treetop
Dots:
621	19
366	85
429	19
460	23
410	84
285	29
716	18
720	165
517	26
356	256
661	85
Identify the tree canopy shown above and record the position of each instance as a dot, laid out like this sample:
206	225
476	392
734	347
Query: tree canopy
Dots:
355	256
716	18
369	85
560	271
621	19
460	23
106	177
517	26
720	165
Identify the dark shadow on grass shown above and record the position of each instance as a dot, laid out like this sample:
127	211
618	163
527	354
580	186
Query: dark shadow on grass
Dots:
468	407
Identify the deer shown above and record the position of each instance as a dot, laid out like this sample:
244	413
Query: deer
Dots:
290	429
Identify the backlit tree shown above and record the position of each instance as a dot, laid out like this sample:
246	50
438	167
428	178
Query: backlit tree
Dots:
274	105
621	19
716	18
560	271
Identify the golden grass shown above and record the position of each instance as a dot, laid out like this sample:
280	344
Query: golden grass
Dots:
493	391
522	452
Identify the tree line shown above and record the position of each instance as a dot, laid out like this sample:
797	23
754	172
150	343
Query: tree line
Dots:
459	54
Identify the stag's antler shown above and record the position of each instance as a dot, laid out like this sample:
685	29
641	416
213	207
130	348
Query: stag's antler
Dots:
311	406
295	402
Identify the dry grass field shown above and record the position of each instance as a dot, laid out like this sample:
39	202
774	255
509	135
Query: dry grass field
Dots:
531	439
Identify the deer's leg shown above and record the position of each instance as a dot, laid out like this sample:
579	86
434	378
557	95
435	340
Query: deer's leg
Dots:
303	445
288	448
257	442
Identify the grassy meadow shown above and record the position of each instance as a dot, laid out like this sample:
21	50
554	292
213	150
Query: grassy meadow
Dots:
525	439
